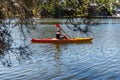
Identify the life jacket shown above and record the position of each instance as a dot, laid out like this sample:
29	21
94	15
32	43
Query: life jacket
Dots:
58	35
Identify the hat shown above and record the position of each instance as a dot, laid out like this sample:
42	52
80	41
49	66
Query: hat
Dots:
57	25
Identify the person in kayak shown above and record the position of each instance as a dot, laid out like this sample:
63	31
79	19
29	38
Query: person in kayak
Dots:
59	35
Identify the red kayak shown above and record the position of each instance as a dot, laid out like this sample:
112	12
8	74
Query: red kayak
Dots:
54	40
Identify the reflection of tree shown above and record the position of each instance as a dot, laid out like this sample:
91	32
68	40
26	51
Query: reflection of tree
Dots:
57	54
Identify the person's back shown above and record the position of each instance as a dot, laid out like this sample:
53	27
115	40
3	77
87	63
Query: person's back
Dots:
58	34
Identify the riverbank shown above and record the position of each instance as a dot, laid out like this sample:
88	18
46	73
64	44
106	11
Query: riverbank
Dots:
95	20
105	17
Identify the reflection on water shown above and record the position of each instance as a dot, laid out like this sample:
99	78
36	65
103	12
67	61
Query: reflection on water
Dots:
57	54
97	61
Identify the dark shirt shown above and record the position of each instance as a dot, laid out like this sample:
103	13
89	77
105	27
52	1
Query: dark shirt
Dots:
58	35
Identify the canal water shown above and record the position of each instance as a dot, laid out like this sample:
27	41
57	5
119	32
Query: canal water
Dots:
99	60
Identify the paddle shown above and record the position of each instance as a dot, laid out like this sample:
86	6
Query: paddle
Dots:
58	26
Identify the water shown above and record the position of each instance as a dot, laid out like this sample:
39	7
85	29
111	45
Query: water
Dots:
92	61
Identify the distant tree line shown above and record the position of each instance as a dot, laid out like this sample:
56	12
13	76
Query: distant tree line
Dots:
61	8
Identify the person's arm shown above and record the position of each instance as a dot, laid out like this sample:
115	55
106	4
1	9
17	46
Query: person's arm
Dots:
64	36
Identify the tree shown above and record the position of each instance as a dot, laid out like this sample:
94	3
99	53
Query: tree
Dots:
16	9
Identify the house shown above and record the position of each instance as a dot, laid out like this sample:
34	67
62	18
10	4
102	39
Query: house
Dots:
117	9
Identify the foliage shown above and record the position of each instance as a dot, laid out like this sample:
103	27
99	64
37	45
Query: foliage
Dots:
47	10
51	8
20	11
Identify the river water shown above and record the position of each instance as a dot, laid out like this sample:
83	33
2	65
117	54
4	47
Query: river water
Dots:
99	60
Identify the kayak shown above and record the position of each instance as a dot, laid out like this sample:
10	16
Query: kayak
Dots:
54	40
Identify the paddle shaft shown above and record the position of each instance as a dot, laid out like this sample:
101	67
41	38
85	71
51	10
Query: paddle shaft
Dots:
65	32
